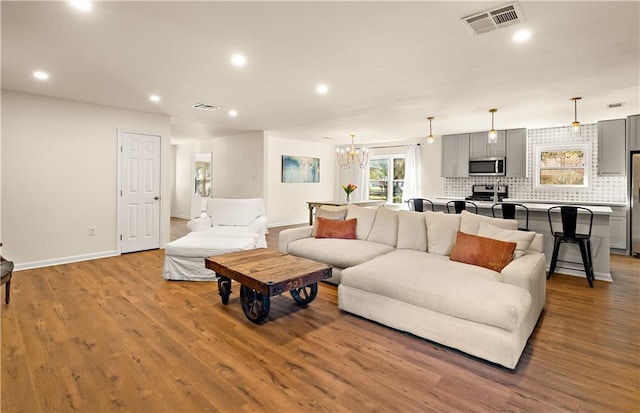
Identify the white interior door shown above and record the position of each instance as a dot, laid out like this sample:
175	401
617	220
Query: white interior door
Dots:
140	192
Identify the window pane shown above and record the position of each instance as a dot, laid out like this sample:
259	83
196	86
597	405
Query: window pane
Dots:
398	168
378	169
378	190
397	191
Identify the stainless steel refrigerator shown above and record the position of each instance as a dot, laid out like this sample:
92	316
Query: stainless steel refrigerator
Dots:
635	204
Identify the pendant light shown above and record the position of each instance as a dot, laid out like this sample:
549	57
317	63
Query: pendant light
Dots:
430	138
575	125
493	135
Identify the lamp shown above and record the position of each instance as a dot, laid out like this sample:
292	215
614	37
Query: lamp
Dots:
352	157
575	125
430	138
493	135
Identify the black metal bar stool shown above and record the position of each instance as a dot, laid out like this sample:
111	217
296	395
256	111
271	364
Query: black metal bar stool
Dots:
419	204
569	217
509	212
459	206
6	274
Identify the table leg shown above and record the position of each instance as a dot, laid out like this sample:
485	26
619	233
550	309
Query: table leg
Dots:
311	207
224	289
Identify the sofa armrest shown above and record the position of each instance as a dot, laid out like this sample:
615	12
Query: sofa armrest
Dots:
199	224
528	272
289	235
259	225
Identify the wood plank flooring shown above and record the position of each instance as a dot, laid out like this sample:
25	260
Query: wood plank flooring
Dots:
111	335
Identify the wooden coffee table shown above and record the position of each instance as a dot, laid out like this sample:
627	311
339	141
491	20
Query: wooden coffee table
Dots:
264	273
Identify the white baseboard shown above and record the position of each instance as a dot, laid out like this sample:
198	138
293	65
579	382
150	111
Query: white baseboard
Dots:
578	273
181	216
64	260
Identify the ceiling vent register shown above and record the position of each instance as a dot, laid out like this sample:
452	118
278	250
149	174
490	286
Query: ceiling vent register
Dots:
205	106
491	20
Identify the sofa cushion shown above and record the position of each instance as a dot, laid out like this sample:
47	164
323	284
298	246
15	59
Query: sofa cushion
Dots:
484	252
332	228
441	231
470	222
385	227
342	253
412	231
365	217
329	212
202	244
521	238
438	284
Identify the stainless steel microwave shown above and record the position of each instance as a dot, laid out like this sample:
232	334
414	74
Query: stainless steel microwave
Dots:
487	167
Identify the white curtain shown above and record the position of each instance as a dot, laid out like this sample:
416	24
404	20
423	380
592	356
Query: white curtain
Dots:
412	173
361	178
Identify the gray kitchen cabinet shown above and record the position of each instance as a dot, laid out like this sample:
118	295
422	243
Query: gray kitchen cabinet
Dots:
455	155
618	228
633	133
612	153
479	146
516	152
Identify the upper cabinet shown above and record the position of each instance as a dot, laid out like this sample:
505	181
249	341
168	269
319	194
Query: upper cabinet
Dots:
633	132
455	155
516	152
612	153
479	146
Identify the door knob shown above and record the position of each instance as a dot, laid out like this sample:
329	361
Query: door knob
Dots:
156	197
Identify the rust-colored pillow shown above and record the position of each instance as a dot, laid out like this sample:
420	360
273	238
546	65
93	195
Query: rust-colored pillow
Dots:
484	252
329	228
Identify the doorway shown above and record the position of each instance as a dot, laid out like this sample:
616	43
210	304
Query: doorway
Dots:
139	192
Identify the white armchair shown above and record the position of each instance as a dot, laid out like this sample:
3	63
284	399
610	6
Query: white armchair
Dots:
229	225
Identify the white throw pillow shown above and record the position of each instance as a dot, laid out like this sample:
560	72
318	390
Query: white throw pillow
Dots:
365	217
521	238
329	212
441	231
412	231
470	222
385	227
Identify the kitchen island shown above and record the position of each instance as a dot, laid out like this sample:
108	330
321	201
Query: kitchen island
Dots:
539	222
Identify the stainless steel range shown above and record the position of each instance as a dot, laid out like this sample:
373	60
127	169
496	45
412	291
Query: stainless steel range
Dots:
487	193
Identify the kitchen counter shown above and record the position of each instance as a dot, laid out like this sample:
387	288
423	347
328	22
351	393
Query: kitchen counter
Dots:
533	206
556	202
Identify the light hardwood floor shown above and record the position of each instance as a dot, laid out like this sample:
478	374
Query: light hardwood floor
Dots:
112	335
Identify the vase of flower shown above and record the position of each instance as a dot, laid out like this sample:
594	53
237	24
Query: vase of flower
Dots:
348	189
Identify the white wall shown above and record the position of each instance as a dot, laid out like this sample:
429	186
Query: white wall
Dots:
237	169
59	177
287	202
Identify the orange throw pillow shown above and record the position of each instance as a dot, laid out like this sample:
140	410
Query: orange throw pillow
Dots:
329	228
484	252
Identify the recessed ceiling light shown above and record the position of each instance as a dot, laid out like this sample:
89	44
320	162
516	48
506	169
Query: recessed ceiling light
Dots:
41	75
154	98
83	5
322	89
521	36
233	113
238	60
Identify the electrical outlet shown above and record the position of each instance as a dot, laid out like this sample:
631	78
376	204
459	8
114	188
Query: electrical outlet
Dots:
92	231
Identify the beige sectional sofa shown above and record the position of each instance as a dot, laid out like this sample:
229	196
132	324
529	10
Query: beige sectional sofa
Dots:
398	272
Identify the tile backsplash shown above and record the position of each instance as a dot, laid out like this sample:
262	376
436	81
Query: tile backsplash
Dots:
602	189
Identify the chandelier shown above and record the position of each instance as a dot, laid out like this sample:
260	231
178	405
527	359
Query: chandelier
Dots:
352	157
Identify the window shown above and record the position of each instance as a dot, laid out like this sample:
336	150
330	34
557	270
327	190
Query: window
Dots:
563	166
386	178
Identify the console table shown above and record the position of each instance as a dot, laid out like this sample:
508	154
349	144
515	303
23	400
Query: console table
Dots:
315	204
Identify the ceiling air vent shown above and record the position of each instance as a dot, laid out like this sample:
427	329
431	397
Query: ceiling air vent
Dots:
204	106
615	105
491	20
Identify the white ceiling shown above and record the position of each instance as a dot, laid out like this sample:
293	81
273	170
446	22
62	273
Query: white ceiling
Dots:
389	65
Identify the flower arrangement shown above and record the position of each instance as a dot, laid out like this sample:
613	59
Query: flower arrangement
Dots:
348	189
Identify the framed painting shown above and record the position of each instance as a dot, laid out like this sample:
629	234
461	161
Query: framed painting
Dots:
562	166
300	169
